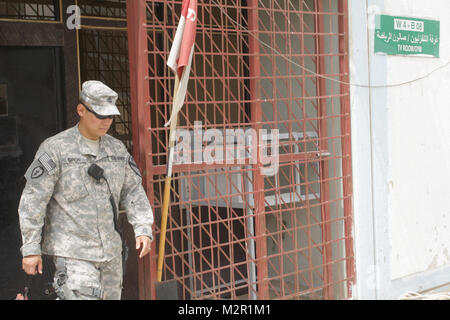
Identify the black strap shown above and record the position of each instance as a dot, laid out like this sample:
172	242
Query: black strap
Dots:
27	289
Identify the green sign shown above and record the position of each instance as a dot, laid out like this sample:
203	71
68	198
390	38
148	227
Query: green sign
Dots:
406	36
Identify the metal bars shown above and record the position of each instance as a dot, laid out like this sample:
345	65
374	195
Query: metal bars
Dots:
237	229
41	10
104	56
103	8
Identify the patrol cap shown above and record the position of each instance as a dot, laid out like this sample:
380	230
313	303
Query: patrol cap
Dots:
99	97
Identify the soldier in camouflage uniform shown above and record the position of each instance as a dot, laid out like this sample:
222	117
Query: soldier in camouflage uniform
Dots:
66	213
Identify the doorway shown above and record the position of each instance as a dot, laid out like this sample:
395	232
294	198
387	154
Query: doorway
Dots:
31	110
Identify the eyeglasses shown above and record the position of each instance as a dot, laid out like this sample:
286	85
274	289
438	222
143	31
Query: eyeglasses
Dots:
98	116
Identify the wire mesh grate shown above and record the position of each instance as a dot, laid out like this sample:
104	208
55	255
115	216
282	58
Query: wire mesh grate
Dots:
247	229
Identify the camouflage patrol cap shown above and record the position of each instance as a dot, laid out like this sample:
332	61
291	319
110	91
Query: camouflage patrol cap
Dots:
99	97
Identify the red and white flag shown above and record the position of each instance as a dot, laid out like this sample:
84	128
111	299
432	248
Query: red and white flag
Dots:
182	51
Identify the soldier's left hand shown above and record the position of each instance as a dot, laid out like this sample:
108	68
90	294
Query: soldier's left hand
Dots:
144	243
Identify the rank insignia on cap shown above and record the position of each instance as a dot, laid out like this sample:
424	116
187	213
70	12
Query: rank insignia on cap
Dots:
47	162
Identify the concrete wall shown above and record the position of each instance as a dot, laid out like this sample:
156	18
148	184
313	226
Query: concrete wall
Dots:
400	157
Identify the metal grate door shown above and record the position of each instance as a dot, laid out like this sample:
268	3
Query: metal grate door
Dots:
247	229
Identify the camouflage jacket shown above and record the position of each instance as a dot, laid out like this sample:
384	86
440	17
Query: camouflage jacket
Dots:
65	212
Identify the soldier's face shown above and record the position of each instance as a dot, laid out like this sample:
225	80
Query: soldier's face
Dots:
91	125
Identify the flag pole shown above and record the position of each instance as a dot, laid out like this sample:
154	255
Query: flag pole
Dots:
167	183
179	60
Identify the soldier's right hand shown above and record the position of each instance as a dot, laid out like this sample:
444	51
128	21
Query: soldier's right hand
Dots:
32	264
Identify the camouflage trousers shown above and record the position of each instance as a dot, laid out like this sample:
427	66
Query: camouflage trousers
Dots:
87	280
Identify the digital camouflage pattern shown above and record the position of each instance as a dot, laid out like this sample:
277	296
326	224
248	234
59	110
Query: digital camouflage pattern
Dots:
99	97
77	279
65	212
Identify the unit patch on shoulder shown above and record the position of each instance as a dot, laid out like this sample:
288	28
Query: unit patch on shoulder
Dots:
134	166
37	172
40	168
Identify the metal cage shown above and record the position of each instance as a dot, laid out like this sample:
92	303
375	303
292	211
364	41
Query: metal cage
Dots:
239	230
